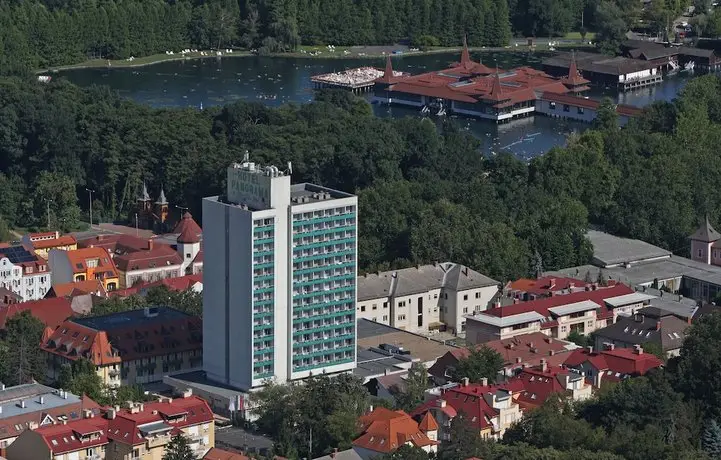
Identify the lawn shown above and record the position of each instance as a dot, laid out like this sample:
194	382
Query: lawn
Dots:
577	36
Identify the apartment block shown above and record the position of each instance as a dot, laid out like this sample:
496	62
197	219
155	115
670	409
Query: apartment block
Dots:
424	298
280	286
23	272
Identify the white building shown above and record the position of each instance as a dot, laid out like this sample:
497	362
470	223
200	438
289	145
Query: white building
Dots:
425	297
24	273
279	291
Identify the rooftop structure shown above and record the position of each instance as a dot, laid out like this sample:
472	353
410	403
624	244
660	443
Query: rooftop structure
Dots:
647	325
612	364
613	251
172	338
51	311
384	431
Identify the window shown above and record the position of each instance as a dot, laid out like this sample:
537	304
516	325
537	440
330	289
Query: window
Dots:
375	306
552	105
187	255
385	317
363	308
563	328
465	297
465	309
566	108
401	317
478	295
699	253
580	110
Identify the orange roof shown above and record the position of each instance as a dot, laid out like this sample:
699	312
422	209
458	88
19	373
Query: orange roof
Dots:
162	256
51	311
188	222
78	261
74	341
428	423
65	240
78	288
219	454
385	431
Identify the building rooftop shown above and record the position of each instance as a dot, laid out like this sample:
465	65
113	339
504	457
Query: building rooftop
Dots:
91	258
621	362
220	454
24	256
598	63
374	362
310	193
49	240
126	335
706	233
422	278
384	430
650	324
25	399
372	335
188	229
116	244
51	311
79	288
158	257
610	250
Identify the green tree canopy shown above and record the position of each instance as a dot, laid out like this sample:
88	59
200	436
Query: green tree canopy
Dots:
481	362
179	449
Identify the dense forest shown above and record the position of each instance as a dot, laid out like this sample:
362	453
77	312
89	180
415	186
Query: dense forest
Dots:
37	34
426	193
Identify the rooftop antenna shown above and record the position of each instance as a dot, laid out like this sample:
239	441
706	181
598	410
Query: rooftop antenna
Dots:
290	168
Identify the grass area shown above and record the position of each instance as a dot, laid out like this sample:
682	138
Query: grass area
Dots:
577	36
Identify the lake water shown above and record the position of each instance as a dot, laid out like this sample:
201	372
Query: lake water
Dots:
276	81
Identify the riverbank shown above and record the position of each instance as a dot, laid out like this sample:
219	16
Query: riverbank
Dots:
309	52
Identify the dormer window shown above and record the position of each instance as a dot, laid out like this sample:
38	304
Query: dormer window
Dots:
28	269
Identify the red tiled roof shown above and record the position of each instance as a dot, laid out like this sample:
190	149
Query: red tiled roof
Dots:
180	413
189	235
545	285
79	288
181	283
10	424
74	341
591	104
79	257
529	349
116	244
219	454
65	240
198	258
535	385
574	77
470	400
541	306
51	311
428	423
188	222
158	257
67	438
385	431
625	361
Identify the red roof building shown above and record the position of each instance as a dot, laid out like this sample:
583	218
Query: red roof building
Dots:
384	431
613	364
557	316
526	289
518	352
472	88
188	225
51	311
137	346
182	283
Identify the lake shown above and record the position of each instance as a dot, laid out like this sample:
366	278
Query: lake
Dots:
275	81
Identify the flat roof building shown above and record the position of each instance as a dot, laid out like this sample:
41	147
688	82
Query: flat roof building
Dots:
279	291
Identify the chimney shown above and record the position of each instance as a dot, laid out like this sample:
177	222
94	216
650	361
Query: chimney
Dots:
111	414
658	325
22	404
597	379
65	394
484	382
41	400
150	244
544	365
571	286
87	413
638	317
518	359
548	339
334	453
441	403
1	409
551	352
65	421
610	346
497	304
187	393
465	381
530	344
589	349
637	349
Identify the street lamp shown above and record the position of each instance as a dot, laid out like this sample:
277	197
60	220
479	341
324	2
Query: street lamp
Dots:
90	200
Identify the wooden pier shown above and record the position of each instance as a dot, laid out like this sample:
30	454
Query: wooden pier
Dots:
635	83
358	80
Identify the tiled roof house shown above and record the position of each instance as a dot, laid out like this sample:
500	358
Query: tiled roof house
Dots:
384	431
613	364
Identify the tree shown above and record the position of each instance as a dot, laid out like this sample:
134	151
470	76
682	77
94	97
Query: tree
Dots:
481	362
81	378
606	116
405	452
21	357
465	441
711	439
412	392
611	27
55	202
580	339
179	449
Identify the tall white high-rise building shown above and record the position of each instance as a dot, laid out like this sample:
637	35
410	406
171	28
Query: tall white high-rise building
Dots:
279	282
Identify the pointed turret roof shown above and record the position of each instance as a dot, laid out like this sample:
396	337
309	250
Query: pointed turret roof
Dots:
496	93
145	196
574	78
388	73
161	198
189	230
706	233
466	56
428	423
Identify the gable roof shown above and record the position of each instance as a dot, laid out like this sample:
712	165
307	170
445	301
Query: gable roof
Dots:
64	240
422	278
385	431
158	257
649	324
62	438
79	288
535	385
51	311
78	261
624	361
116	244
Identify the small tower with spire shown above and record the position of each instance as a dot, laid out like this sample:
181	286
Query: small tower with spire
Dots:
144	201
161	208
575	83
706	244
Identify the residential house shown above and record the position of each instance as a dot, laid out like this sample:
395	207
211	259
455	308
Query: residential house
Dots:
24	272
612	364
647	325
525	289
83	295
534	385
384	431
557	316
133	347
518	352
139	431
8	297
42	243
51	312
425	297
84	264
154	264
32	405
